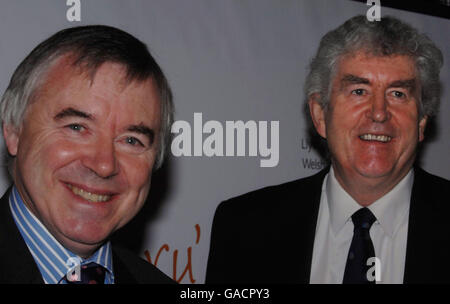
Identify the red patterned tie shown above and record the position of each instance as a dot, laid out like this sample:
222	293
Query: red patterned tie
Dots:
91	273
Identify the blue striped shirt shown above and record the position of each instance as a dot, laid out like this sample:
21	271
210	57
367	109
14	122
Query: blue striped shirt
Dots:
52	259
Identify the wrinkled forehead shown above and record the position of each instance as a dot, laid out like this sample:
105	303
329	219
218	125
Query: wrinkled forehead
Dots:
67	67
67	85
362	58
74	65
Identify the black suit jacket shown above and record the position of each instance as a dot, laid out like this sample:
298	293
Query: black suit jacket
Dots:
267	236
17	266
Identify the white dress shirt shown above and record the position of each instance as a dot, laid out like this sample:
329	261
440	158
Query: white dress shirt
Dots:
334	231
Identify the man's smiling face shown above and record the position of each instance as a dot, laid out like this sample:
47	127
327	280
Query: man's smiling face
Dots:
85	152
372	123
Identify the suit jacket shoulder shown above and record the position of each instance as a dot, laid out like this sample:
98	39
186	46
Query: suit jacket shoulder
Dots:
17	265
274	200
431	187
266	236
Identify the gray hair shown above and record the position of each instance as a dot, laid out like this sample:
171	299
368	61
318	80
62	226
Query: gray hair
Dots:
91	46
389	36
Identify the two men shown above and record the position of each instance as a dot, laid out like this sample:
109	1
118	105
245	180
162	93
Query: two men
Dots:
86	119
372	215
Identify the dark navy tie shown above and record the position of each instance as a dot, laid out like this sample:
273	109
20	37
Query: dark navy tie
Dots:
91	273
361	249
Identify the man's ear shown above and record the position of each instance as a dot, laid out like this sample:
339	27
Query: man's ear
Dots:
422	125
11	135
317	115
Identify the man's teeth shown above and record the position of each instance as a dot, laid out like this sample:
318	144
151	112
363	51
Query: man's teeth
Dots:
382	138
92	197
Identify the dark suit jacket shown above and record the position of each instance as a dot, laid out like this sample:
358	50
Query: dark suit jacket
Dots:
267	236
17	266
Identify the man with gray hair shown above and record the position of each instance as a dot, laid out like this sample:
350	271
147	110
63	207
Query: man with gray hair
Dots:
373	216
86	119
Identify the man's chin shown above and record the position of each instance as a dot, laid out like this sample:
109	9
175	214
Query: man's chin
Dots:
84	239
365	169
375	173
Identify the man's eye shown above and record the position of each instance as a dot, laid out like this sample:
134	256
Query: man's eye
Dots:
398	94
133	141
75	127
359	92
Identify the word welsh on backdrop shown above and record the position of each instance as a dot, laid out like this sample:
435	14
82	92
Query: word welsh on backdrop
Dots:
236	69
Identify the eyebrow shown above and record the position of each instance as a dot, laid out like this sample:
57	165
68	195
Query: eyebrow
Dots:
71	112
143	129
408	83
352	79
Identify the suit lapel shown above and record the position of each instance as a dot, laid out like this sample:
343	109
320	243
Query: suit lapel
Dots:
308	201
427	245
16	262
418	232
121	273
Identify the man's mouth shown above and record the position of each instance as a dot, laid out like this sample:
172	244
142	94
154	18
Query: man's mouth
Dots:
373	137
92	197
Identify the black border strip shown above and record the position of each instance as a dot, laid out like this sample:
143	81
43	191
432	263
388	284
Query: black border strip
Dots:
427	7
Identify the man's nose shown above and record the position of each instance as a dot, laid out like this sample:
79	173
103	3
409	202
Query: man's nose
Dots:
101	158
379	111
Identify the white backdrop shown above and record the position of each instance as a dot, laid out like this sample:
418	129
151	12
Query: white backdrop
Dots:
229	60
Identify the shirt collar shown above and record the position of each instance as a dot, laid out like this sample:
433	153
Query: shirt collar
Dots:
52	259
389	209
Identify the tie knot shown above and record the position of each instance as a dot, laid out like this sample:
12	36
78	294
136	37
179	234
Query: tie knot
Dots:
363	219
91	273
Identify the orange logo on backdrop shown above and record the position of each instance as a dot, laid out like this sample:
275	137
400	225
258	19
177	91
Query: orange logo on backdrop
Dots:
187	269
